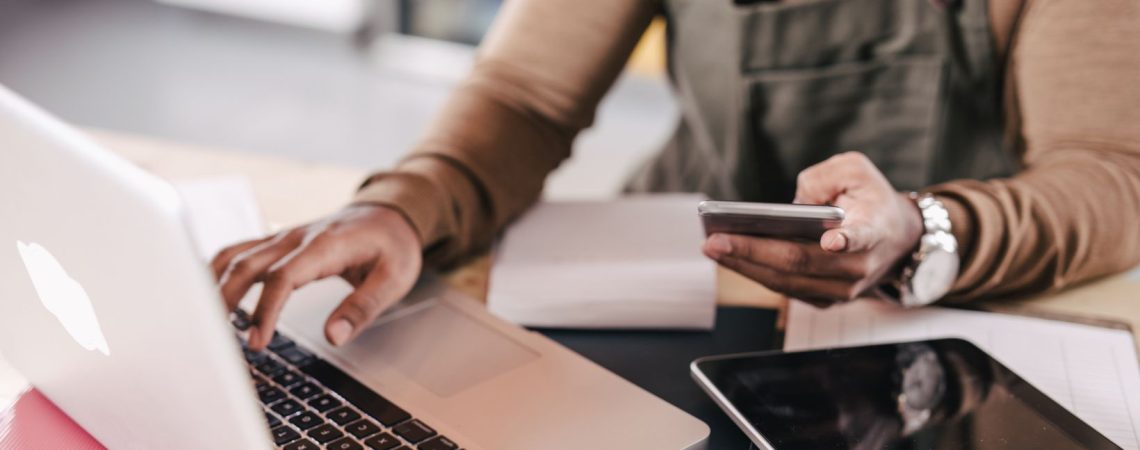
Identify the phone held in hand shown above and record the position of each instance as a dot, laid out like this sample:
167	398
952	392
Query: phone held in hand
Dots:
777	220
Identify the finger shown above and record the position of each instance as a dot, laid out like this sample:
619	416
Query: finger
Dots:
824	182
797	286
812	192
833	241
788	257
379	291
850	239
222	260
248	267
309	262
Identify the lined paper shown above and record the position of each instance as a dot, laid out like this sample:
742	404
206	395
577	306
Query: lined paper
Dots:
1091	371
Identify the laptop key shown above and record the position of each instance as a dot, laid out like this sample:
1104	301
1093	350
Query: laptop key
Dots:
324	403
306	391
343	415
288	378
362	429
287	408
279	342
269	367
241	320
345	443
365	399
296	356
284	434
414	431
303	444
383	441
270	395
438	443
306	420
271	419
253	357
325	433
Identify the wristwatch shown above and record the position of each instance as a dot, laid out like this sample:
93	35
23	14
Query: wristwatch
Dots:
933	267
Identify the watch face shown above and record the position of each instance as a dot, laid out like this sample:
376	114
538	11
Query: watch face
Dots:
934	276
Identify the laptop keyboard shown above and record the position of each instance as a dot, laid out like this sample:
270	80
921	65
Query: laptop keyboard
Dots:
309	404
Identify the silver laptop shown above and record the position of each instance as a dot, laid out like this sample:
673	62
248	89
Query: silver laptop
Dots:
106	308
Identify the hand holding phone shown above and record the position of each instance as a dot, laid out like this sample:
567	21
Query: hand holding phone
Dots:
820	254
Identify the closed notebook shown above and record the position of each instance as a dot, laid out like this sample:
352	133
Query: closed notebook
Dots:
630	263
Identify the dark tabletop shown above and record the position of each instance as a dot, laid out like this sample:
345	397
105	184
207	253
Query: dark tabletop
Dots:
658	361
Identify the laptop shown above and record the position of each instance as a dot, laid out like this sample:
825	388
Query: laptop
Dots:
109	312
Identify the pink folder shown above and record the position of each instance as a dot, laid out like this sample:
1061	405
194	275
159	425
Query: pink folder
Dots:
33	423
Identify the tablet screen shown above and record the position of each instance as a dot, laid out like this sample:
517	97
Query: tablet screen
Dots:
942	394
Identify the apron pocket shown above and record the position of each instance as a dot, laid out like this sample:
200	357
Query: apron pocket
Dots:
889	110
819	33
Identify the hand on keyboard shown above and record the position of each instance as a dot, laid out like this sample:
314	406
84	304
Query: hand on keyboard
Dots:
373	247
310	403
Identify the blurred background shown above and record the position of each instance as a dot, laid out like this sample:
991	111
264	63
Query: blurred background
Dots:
348	82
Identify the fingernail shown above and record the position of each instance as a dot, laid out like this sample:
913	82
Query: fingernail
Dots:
339	332
835	242
720	245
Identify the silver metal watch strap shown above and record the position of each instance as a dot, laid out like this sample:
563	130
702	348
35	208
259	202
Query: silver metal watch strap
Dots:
936	236
935	216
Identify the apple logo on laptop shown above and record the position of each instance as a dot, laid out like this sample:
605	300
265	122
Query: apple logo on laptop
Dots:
63	297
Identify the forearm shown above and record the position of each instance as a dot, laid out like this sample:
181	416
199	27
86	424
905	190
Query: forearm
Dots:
541	72
1068	219
465	182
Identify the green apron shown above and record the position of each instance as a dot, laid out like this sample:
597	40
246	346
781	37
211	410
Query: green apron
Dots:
769	89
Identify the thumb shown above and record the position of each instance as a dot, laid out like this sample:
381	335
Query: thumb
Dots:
848	239
376	294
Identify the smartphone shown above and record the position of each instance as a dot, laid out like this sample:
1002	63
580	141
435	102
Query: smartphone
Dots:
778	220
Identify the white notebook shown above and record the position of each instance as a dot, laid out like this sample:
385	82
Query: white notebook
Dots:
1091	371
635	262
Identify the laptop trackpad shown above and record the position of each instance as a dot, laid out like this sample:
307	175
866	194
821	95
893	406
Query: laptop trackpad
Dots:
438	347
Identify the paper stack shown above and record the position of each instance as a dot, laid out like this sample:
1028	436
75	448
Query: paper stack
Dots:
221	211
630	263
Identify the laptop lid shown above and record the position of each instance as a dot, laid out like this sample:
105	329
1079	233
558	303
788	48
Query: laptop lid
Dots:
106	309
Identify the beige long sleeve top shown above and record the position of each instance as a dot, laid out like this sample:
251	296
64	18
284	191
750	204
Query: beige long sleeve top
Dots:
1073	111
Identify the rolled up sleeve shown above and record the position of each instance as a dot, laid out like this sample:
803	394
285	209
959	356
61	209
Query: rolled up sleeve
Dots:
1073	213
539	76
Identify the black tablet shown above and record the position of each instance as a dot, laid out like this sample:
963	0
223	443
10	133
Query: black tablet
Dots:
938	394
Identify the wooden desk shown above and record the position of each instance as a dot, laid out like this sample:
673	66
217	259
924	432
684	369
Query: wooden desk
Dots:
292	192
